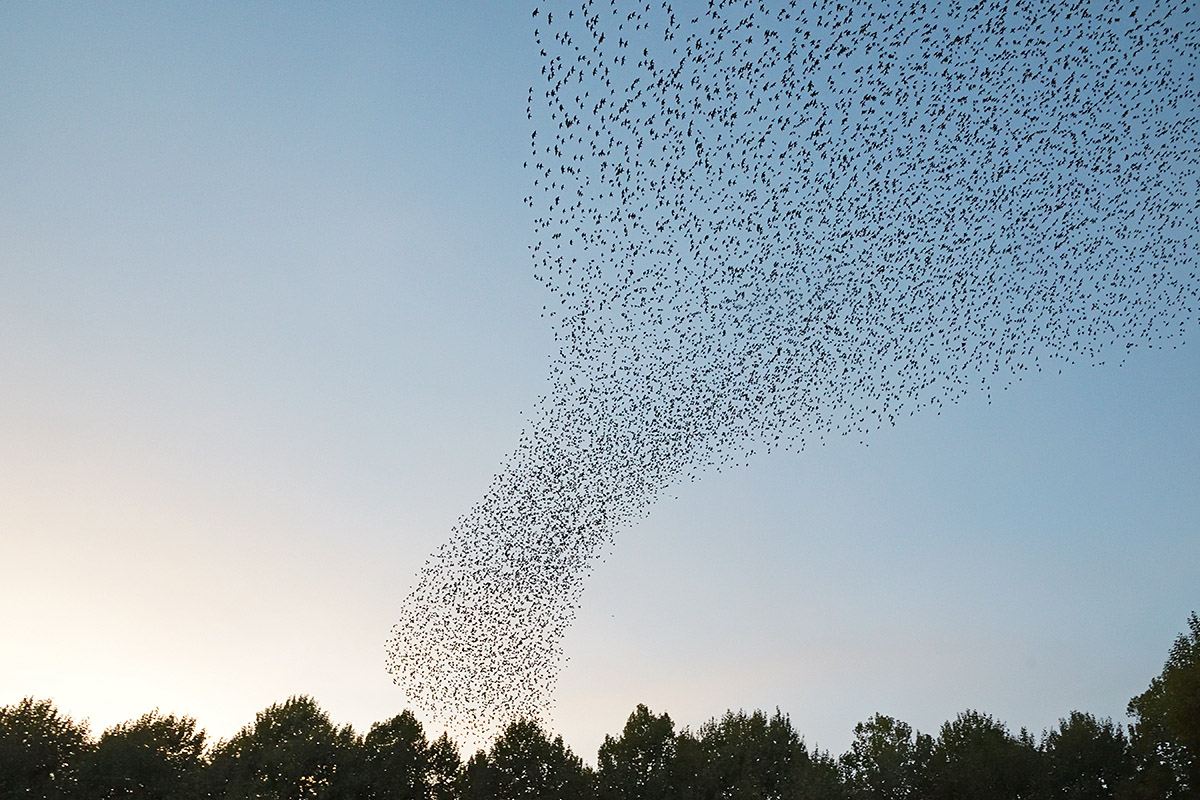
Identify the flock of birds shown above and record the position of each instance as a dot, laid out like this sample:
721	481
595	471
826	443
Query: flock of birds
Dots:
763	224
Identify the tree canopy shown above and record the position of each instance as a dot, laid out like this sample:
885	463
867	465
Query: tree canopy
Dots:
293	751
1166	728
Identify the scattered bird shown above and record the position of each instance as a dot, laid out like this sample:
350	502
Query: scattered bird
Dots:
773	223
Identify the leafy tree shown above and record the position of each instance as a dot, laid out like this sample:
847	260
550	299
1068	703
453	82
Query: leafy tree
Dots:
636	766
887	760
821	779
155	756
1085	758
40	751
395	760
975	756
749	756
291	752
477	781
526	763
690	777
753	755
444	767
1166	730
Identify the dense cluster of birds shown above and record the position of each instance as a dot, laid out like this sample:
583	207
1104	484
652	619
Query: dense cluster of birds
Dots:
763	224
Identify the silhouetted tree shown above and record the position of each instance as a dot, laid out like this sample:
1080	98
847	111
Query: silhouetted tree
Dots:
477	781
155	756
821	779
748	756
1165	734
40	751
444	767
688	769
1085	758
525	763
636	766
976	757
396	760
887	761
291	751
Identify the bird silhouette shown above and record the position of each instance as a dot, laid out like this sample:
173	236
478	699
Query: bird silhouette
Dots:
774	223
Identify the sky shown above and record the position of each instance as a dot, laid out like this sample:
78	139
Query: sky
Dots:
268	326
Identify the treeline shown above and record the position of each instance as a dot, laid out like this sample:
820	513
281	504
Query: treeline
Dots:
292	750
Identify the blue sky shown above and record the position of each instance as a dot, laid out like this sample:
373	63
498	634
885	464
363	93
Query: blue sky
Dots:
268	326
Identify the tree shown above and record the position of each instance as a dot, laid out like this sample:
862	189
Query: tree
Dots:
525	763
395	759
1166	730
1085	758
976	757
636	766
155	756
689	772
291	752
40	751
749	756
821	779
477	781
444	767
887	760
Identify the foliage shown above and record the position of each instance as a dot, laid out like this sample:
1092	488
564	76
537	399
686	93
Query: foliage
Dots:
40	750
444	767
1166	731
395	760
975	756
636	766
477	780
1085	758
526	763
291	752
155	756
751	756
887	761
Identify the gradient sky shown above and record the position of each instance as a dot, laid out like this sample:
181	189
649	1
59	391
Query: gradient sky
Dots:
268	326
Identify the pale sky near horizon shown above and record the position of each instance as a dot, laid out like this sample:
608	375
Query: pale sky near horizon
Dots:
268	326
